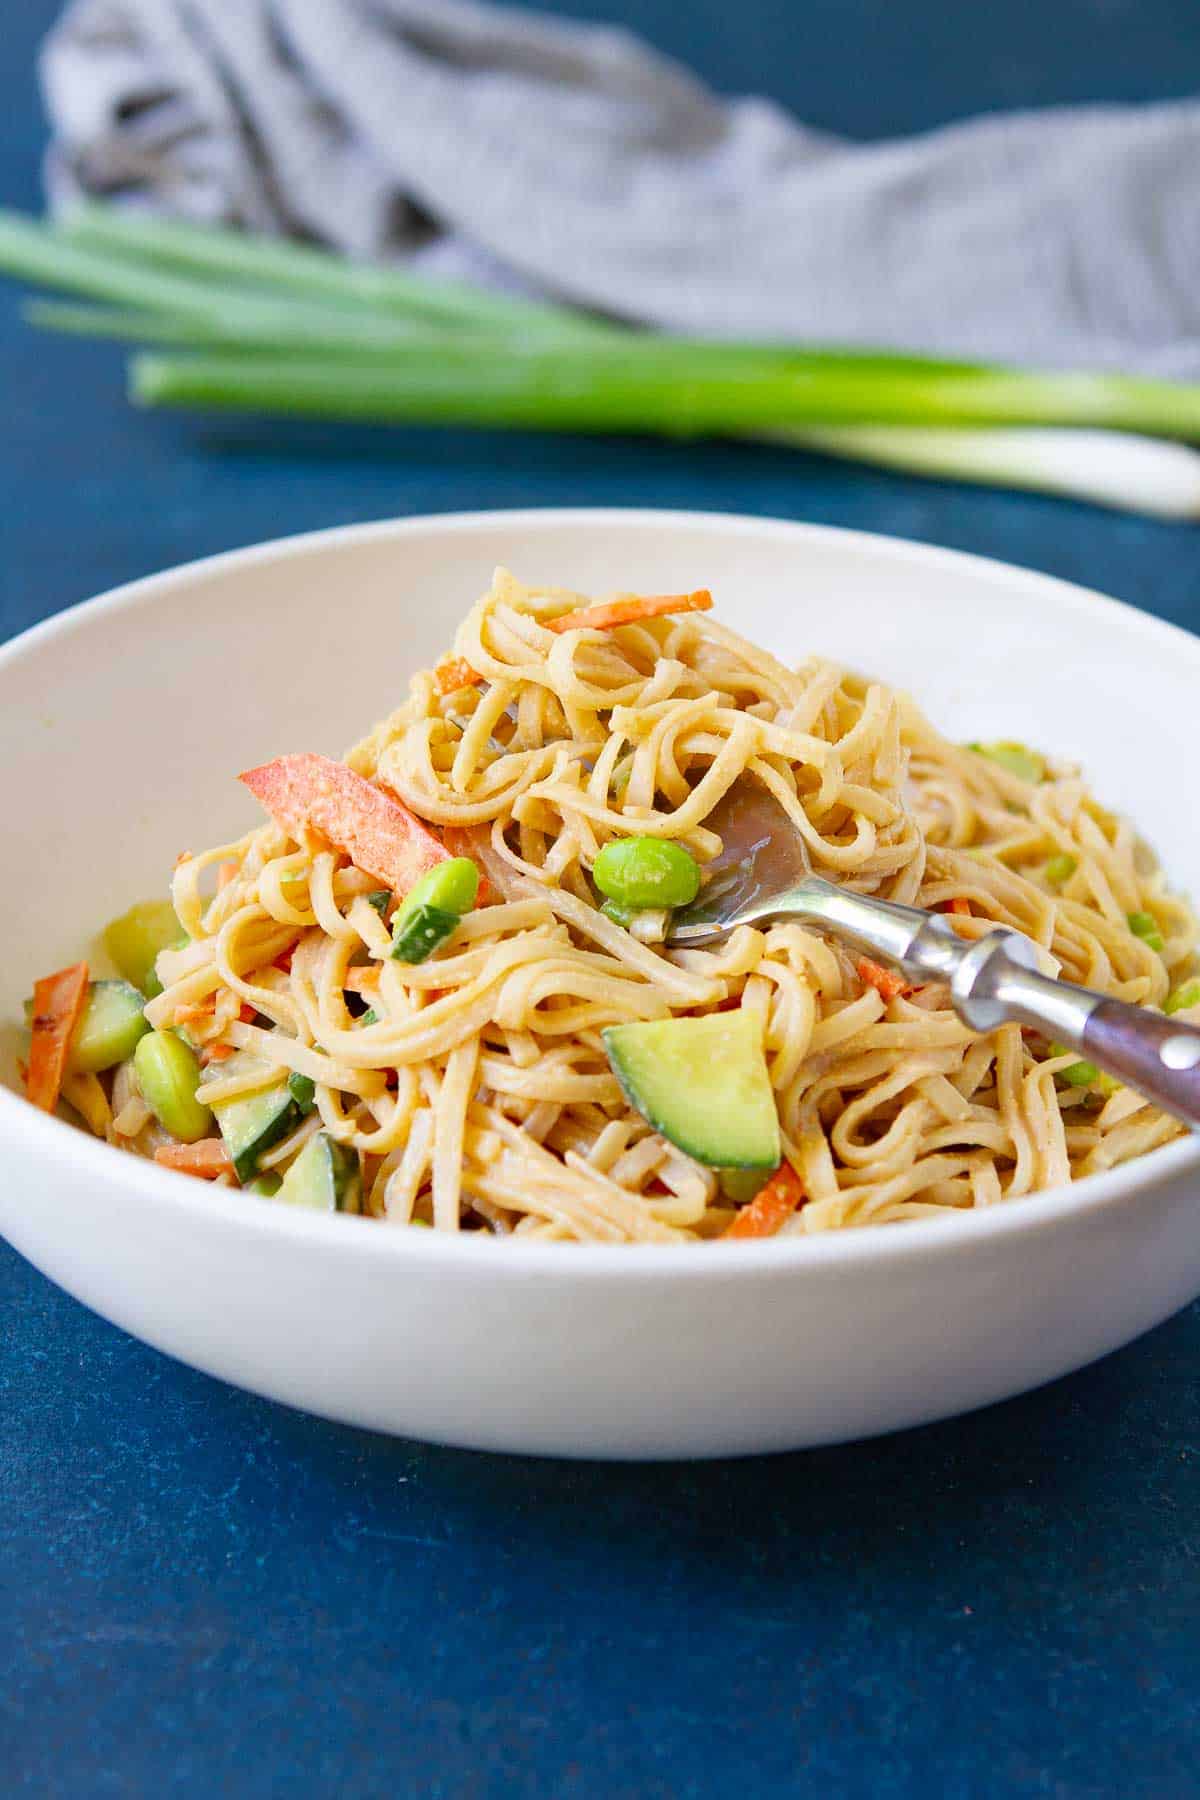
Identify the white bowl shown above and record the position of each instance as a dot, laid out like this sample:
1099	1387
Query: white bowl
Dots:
122	724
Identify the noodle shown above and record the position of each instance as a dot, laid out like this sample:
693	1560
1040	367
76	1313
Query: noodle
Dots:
477	1090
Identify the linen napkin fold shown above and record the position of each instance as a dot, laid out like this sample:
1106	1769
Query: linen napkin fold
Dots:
573	161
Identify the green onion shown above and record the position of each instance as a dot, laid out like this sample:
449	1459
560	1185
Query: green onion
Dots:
1018	759
1145	926
669	386
1059	869
315	274
269	326
1183	997
1133	473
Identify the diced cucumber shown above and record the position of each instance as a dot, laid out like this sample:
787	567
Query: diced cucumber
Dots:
703	1084
135	939
252	1125
113	1021
421	931
303	1090
381	899
266	1186
325	1177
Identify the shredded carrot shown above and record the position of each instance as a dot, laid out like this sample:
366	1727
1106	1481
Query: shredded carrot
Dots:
770	1208
58	1002
884	981
208	1159
226	872
629	610
455	674
364	980
958	905
215	1053
247	1013
194	1013
284	960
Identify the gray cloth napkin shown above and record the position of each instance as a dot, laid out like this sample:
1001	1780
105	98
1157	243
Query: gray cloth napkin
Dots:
573	161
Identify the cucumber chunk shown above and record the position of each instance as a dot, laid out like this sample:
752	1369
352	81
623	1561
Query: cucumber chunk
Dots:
252	1125
703	1084
135	939
109	1031
325	1177
303	1090
421	931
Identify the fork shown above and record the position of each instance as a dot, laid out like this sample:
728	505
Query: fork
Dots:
764	874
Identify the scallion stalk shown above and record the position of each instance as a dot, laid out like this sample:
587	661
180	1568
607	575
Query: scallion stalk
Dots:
1110	468
661	385
265	325
303	271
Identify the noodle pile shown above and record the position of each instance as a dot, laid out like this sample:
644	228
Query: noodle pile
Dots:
477	1090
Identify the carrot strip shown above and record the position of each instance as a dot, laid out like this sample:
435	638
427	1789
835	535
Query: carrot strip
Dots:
215	1053
58	1002
629	610
770	1208
884	981
455	674
958	905
371	826
363	980
226	872
208	1159
194	1013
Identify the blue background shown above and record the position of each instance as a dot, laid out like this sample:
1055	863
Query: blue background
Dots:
201	1593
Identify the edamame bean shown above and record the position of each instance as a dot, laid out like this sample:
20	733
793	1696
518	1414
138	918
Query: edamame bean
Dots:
1183	997
1084	1074
647	871
1144	925
1059	870
450	886
168	1075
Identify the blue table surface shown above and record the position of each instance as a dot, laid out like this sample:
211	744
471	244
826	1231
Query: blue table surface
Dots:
202	1593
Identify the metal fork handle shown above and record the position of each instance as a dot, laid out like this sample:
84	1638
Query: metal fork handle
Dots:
995	981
